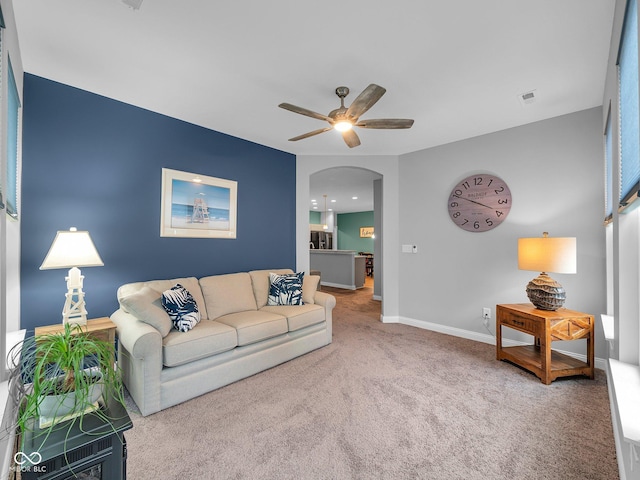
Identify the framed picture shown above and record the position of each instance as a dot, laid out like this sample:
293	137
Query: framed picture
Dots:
366	232
197	206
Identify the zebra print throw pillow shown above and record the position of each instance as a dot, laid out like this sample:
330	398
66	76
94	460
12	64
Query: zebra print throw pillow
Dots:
285	289
181	307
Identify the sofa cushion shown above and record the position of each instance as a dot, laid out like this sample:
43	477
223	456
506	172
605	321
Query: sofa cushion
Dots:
298	316
146	305
181	307
260	282
285	289
190	283
207	338
224	294
253	326
309	287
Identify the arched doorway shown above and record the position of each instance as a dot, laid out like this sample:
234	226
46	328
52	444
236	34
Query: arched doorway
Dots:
388	262
350	194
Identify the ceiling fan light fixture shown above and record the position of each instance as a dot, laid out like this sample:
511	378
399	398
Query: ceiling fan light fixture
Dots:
343	125
343	119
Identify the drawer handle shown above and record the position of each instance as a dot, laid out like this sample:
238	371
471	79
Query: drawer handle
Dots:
521	324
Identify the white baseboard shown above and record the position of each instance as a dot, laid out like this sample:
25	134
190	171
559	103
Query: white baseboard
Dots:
600	363
338	285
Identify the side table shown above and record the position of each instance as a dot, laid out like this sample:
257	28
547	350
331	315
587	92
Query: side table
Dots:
99	328
545	326
94	448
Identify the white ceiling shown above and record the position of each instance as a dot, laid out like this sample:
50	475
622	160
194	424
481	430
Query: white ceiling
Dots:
456	67
341	185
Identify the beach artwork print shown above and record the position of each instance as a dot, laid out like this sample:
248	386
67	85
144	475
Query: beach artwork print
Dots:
197	206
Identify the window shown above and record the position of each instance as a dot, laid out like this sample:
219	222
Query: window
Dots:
628	99
13	107
608	171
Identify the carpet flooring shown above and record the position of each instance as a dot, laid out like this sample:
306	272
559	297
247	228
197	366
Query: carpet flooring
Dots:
383	401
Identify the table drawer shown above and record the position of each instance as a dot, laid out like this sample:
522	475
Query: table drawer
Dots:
521	323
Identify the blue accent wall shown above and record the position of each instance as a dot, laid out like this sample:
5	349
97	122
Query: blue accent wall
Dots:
96	164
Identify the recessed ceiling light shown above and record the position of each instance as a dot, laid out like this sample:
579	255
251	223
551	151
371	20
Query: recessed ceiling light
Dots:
333	201
315	208
354	198
331	209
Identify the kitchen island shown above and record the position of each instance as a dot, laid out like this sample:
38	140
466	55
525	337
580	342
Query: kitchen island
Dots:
339	268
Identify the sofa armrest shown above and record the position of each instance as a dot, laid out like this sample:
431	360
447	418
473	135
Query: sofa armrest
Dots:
139	360
139	339
326	300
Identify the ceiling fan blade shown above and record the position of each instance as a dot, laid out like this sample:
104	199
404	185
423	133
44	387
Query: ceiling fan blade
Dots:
365	100
310	134
386	123
304	111
351	138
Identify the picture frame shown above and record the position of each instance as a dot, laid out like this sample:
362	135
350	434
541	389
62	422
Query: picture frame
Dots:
198	206
366	232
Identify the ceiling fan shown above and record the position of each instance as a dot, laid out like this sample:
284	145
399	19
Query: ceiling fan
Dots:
344	119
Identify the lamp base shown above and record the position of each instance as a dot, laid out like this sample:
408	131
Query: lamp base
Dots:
545	293
74	311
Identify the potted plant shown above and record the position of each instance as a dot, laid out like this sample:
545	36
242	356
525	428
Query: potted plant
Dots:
60	376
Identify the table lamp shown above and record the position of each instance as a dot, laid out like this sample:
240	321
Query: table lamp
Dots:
546	254
72	249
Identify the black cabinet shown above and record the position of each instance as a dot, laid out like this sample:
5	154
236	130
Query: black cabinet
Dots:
94	449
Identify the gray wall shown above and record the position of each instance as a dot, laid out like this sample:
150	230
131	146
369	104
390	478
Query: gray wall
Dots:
555	172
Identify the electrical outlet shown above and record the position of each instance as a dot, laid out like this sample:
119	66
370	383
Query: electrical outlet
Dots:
486	316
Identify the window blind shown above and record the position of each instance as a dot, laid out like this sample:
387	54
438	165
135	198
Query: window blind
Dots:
629	100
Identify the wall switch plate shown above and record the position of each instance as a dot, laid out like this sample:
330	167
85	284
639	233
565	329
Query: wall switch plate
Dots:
486	313
414	249
407	248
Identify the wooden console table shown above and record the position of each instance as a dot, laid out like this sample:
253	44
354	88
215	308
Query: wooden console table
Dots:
545	326
98	328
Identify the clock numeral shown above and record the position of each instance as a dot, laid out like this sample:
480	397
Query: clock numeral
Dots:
476	225
477	181
489	222
499	190
456	215
465	185
499	213
490	182
503	202
457	193
453	204
465	222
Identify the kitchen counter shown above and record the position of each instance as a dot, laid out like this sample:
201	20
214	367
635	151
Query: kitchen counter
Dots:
339	268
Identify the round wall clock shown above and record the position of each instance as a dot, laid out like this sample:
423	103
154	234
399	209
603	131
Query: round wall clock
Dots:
479	203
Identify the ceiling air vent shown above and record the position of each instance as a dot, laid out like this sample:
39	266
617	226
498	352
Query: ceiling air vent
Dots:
528	98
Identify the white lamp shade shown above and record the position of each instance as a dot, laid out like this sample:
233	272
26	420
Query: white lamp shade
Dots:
72	248
547	254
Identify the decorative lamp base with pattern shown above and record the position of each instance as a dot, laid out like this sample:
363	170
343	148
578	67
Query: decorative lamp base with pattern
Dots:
545	293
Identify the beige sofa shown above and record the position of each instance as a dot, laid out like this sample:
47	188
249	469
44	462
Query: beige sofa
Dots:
238	335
